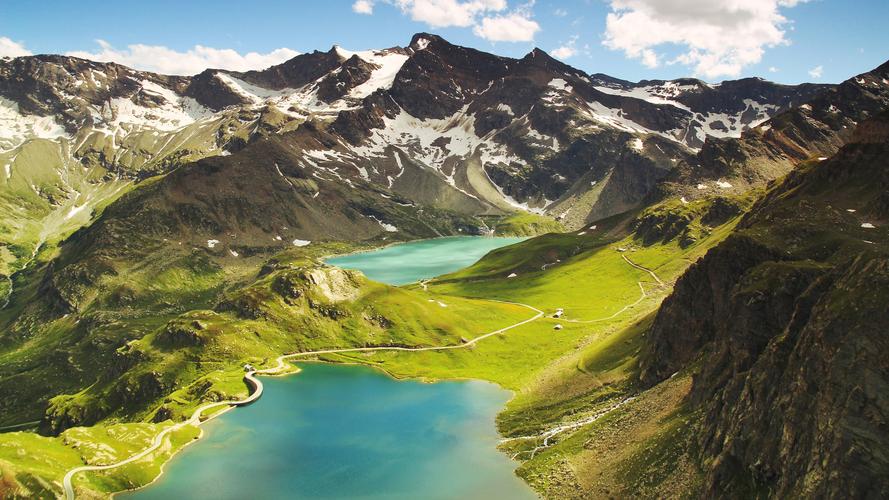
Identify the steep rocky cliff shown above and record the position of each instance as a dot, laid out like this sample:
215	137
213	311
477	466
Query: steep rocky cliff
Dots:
786	324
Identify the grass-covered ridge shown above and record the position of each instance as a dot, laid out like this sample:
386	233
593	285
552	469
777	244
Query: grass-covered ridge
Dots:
581	382
526	224
192	317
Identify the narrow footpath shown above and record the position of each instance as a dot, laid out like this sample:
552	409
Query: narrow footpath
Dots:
628	306
257	388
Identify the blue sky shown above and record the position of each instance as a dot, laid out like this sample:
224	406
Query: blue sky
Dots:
782	40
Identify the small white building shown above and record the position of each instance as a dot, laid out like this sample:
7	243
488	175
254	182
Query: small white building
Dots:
249	368
557	327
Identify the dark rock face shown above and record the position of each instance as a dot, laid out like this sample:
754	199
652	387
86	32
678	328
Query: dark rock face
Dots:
352	73
730	96
698	309
356	125
810	415
720	211
296	72
436	81
162	414
207	89
289	286
787	320
818	127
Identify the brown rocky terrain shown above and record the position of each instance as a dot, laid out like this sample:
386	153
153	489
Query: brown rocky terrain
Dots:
786	322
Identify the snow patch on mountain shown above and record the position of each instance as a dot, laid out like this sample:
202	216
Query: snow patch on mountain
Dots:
175	112
16	128
655	94
388	64
253	93
560	84
421	44
543	140
429	141
506	109
763	111
614	118
389	228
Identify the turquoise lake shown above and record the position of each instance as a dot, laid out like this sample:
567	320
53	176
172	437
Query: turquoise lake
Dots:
348	432
336	431
416	260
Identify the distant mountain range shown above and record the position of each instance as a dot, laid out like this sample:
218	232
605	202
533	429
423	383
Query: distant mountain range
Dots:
433	123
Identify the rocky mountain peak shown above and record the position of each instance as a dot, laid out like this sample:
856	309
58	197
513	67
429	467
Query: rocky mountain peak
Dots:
541	59
873	131
422	41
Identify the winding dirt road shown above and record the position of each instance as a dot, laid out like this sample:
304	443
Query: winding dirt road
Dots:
628	306
250	377
641	268
281	365
159	438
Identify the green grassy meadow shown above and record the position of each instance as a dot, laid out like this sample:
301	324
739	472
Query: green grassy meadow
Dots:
193	320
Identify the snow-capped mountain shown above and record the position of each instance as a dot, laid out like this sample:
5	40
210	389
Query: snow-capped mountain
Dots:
432	123
466	100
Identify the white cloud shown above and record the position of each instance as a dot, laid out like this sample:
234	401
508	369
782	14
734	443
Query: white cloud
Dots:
816	72
9	48
773	69
513	27
717	37
444	13
363	7
560	12
649	58
487	18
164	60
566	50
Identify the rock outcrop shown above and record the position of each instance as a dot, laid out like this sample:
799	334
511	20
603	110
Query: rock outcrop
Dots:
786	321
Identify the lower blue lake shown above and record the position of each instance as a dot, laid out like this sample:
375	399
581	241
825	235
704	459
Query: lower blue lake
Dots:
416	260
337	431
349	432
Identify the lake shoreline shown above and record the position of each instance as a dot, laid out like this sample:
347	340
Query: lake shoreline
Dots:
374	248
342	359
296	371
377	371
406	263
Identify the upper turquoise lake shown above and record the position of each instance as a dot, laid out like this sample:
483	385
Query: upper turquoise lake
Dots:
409	262
337	431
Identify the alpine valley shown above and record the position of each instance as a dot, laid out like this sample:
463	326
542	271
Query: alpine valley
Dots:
698	308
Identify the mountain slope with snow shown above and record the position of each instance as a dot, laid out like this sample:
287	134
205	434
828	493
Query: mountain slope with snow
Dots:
434	123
